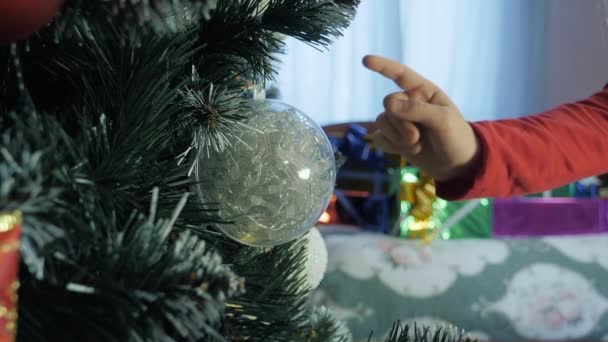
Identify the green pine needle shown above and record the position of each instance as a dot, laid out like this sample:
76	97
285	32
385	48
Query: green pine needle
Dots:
325	328
405	333
213	116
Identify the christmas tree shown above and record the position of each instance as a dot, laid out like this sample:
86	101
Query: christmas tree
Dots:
101	113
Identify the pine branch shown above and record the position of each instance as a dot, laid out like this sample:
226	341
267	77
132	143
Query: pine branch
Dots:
316	22
31	182
235	43
156	287
275	306
241	40
212	115
79	18
87	238
89	267
276	298
242	36
325	328
124	99
405	333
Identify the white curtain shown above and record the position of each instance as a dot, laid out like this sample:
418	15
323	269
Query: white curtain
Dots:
494	58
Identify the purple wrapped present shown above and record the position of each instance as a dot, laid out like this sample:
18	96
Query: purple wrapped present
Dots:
549	216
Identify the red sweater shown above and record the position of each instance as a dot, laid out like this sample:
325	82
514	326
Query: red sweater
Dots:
537	153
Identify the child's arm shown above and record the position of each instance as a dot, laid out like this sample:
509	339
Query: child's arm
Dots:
490	159
537	153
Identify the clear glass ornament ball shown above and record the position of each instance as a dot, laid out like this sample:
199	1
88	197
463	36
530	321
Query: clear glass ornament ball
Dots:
274	181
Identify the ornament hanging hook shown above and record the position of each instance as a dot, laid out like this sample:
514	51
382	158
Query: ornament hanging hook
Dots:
259	92
259	88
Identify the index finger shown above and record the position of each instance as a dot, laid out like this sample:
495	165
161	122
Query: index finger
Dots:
405	77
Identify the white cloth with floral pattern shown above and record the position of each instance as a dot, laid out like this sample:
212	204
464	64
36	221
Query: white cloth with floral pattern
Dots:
534	289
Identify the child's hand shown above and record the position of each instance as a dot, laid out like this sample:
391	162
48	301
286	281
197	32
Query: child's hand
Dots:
423	124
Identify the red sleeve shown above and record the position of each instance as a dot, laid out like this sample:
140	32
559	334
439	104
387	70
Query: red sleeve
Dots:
537	153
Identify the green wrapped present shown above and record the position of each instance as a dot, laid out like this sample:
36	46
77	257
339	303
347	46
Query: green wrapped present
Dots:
427	217
466	219
459	220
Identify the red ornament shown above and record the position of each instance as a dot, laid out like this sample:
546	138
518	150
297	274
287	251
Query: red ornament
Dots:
20	18
10	234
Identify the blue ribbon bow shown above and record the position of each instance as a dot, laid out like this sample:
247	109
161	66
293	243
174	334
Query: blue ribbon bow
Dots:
372	214
354	147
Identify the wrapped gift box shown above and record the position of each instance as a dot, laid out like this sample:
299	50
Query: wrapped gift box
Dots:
362	196
10	233
468	219
549	216
360	209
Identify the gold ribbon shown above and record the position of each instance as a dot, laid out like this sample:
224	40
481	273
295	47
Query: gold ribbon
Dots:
419	192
